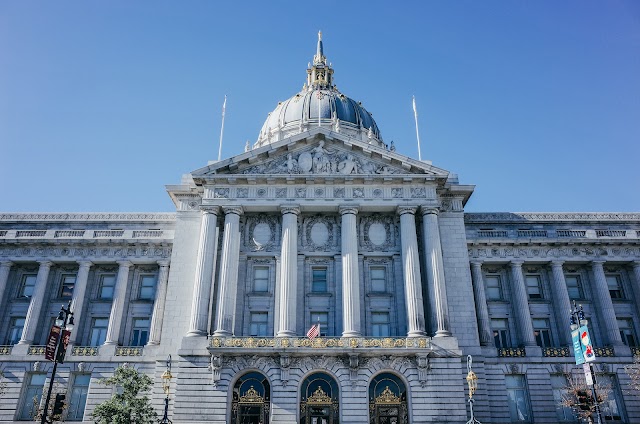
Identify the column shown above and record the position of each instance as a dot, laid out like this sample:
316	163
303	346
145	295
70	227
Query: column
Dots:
350	274
228	275
5	268
158	305
436	286
411	272
484	324
605	305
635	283
35	306
117	307
521	305
204	273
289	272
561	302
79	294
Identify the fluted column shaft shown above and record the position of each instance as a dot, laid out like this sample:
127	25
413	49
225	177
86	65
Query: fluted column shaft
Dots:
228	281
436	286
482	311
5	268
350	274
79	294
35	306
158	305
521	305
562	302
411	272
204	273
289	272
605	305
117	306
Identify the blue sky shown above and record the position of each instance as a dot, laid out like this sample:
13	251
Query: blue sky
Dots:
537	103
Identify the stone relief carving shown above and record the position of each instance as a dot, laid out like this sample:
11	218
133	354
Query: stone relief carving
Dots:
221	193
281	193
320	232
261	232
418	192
397	192
377	232
587	252
338	193
242	193
71	252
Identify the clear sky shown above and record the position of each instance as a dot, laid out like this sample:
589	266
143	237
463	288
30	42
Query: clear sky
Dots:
103	103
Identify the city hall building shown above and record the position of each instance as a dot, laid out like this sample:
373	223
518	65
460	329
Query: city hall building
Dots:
321	223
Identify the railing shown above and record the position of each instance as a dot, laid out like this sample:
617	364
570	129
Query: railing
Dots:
129	351
604	351
493	233
635	351
512	352
147	233
611	233
84	351
31	233
532	233
36	350
572	233
321	342
68	233
108	233
5	350
556	352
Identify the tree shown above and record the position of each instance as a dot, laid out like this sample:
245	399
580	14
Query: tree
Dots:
129	405
57	407
579	397
634	374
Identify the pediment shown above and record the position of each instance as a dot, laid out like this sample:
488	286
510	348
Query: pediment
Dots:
320	153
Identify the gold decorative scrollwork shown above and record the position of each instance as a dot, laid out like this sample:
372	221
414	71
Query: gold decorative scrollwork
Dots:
251	397
387	398
319	397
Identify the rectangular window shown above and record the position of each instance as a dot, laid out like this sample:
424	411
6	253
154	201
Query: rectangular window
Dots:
615	286
78	397
534	286
27	285
559	384
542	332
258	323
67	284
15	330
627	332
519	408
98	333
323	319
319	280
501	333
107	286
140	332
261	279
380	325
378	283
493	287
612	407
32	396
147	287
574	287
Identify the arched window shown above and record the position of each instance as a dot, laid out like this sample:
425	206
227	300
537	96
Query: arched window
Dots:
319	400
387	400
251	399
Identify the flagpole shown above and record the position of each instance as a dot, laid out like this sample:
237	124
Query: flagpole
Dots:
224	108
415	115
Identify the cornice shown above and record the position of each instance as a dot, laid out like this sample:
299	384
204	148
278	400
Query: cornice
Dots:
519	217
90	216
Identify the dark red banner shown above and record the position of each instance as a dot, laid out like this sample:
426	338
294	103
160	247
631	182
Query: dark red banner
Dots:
66	335
52	342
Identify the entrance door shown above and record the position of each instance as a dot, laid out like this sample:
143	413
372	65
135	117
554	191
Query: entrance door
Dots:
319	402
387	400
251	399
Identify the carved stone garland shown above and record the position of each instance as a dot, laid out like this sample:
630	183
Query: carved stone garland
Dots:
329	222
381	223
250	240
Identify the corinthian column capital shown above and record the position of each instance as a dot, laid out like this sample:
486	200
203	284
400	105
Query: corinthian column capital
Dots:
294	209
344	210
406	209
237	210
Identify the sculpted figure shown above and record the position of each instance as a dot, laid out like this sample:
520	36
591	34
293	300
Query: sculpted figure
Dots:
347	166
320	159
291	163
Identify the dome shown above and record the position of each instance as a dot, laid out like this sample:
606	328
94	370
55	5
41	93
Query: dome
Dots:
319	104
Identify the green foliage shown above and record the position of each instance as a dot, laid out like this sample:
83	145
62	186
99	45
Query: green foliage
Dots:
129	405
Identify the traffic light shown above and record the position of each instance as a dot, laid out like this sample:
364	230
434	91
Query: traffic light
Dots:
584	400
58	405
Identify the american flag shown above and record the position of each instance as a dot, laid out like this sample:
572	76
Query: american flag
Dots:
314	331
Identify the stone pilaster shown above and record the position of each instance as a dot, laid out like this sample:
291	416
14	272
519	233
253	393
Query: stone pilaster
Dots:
228	274
411	271
35	306
635	283
289	272
117	307
79	295
605	305
5	268
158	306
482	311
521	305
436	286
561	302
204	273
350	274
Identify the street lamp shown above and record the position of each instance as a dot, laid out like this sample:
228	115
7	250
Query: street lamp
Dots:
579	320
472	382
57	345
166	385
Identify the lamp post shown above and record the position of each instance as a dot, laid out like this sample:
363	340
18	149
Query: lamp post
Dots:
472	382
166	385
62	327
578	320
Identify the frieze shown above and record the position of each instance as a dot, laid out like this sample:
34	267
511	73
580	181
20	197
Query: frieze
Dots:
242	193
533	216
321	342
221	193
281	193
75	253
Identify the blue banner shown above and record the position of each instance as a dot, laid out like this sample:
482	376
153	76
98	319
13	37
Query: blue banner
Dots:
577	347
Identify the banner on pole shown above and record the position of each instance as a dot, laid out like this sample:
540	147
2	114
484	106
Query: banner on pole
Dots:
52	342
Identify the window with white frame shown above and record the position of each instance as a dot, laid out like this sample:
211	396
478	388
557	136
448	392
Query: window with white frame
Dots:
493	287
542	332
67	284
78	397
32	396
258	322
500	328
321	318
140	332
380	324
98	332
261	279
319	279
519	405
107	285
534	286
27	285
627	332
559	385
16	325
147	289
614	281
612	408
378	280
574	286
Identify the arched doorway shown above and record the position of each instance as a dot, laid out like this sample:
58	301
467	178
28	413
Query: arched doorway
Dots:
319	400
251	399
388	400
